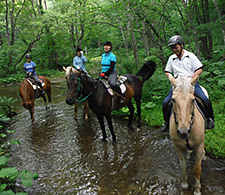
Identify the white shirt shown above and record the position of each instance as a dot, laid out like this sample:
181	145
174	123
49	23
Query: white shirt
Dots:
186	66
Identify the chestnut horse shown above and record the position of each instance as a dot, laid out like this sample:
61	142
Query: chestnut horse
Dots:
85	102
28	94
187	128
81	85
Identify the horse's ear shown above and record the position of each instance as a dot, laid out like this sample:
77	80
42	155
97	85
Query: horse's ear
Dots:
194	80
172	80
64	68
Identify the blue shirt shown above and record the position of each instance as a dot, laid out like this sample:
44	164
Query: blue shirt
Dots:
30	67
78	62
106	61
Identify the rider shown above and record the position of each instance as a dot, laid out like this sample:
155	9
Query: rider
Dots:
29	69
108	67
79	60
184	63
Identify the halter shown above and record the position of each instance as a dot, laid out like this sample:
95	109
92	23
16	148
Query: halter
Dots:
191	123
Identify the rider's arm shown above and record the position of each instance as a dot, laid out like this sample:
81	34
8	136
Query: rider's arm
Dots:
167	74
197	72
112	65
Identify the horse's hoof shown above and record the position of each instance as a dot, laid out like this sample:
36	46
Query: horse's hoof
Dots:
114	142
75	119
184	186
197	193
104	139
138	129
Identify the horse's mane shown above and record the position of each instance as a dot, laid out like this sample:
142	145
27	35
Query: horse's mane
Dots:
184	85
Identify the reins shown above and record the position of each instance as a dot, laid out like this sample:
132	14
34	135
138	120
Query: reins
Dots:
80	87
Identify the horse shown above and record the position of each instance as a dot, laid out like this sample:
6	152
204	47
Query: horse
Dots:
187	128
28	94
85	102
101	102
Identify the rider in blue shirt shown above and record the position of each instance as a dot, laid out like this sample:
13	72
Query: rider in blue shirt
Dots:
29	69
79	60
108	67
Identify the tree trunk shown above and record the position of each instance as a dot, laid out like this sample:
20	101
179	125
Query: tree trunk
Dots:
221	20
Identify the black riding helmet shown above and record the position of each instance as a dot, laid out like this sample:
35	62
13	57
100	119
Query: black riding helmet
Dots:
108	43
176	39
79	49
28	56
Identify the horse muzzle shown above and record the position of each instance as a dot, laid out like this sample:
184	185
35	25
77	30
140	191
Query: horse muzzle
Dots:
183	133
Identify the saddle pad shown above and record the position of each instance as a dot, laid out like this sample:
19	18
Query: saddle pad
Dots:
34	85
120	82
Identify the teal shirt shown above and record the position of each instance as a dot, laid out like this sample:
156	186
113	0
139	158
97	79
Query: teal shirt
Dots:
106	61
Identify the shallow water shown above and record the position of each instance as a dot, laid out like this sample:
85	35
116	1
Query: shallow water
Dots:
70	157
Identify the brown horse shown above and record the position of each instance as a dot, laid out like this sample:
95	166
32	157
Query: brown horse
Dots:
81	85
187	129
28	94
85	102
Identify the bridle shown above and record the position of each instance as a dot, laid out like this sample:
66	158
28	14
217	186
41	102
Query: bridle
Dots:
79	89
191	123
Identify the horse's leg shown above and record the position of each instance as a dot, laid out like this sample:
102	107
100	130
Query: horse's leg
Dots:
75	110
131	109
183	166
85	109
49	99
138	103
31	110
198	168
102	125
44	98
109	120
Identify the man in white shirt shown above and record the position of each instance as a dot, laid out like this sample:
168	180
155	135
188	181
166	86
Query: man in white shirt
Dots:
184	63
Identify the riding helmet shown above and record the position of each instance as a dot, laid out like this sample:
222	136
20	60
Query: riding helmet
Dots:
176	39
28	56
79	49
108	43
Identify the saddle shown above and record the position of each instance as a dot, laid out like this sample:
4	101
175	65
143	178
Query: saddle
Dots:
120	82
34	84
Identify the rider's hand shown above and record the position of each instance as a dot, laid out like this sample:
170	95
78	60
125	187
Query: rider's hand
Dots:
102	74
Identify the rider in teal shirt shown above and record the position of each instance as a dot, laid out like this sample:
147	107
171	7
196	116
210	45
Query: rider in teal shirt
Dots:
108	67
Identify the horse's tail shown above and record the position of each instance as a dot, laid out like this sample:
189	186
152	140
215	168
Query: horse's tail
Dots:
147	70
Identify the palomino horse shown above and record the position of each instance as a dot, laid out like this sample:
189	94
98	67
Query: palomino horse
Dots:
28	94
81	85
85	102
187	129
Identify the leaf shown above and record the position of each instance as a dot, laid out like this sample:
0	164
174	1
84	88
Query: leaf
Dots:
10	173
2	187
221	82
150	105
3	160
210	79
27	177
3	135
8	192
217	72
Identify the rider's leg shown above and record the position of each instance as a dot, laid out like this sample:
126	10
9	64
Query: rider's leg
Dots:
38	83
209	114
167	107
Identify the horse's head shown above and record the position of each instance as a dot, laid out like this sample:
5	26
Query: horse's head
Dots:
73	88
183	104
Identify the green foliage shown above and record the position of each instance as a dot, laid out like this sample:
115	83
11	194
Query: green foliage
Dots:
6	108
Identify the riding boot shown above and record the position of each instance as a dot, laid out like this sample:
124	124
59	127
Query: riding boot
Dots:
210	117
167	108
41	89
118	90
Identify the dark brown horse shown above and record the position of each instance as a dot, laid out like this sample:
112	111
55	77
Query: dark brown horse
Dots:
28	94
82	86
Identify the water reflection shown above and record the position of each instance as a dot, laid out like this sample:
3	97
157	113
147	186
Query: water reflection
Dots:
70	157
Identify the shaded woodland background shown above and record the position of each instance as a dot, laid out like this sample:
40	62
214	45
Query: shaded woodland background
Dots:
51	30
